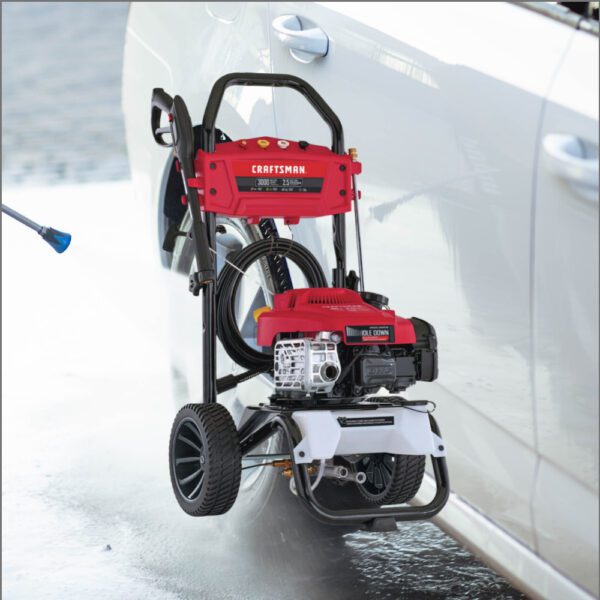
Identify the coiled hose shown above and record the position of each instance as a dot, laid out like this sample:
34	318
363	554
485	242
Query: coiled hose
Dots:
227	286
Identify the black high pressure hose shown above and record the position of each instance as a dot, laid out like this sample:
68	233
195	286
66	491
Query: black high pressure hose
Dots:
227	286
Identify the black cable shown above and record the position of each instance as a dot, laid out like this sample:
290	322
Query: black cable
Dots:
259	465
347	368
287	456
227	286
280	280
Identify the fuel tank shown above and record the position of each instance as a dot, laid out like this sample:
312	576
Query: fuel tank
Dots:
311	310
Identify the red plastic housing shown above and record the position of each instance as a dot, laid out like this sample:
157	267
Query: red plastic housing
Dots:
267	177
312	310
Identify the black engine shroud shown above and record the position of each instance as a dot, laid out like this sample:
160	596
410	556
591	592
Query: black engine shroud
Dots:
366	369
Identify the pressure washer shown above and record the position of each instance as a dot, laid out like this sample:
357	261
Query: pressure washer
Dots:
328	351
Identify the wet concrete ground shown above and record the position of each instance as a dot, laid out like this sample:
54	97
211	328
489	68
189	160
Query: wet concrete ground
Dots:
87	404
86	413
61	87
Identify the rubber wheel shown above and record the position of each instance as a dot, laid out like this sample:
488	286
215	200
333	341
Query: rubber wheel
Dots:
391	478
205	459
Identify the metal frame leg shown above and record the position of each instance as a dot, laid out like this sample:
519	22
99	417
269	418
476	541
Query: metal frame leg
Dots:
263	423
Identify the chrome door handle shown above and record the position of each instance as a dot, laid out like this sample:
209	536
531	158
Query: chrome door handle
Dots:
568	157
305	44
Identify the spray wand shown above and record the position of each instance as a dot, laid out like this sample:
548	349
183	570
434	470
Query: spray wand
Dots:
57	239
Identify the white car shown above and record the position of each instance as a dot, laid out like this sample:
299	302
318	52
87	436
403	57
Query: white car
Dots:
477	128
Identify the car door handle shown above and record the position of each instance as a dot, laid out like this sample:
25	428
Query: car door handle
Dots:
568	157
305	40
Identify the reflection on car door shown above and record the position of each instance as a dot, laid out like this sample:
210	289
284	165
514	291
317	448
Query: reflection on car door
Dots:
566	318
443	102
213	39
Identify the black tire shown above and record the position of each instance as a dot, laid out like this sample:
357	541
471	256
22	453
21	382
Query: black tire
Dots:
391	478
205	460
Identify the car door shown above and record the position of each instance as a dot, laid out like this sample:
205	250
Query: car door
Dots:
566	318
443	102
185	48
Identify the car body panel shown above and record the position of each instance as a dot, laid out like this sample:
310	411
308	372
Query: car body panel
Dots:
565	328
214	40
445	114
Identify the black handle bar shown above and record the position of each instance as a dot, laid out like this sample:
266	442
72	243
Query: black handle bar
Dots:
182	139
271	80
180	128
161	102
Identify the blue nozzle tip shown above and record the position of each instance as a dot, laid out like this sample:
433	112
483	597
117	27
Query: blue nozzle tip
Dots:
59	240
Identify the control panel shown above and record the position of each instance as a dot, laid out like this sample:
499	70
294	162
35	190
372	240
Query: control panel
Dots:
269	177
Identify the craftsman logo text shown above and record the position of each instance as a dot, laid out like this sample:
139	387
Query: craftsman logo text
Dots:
278	169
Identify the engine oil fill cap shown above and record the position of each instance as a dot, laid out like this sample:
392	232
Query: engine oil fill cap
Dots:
260	311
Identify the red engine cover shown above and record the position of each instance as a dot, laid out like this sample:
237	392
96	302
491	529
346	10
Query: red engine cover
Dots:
258	178
312	310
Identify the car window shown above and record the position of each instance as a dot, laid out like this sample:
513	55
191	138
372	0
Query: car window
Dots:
589	10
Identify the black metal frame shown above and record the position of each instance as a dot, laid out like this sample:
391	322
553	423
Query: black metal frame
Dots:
265	421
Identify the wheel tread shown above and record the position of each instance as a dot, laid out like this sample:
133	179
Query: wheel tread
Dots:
223	460
406	481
